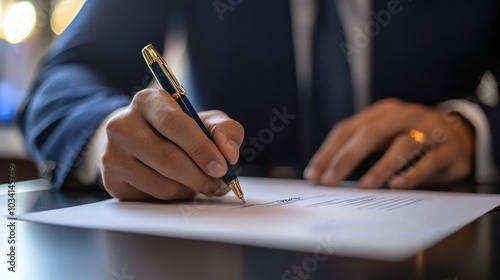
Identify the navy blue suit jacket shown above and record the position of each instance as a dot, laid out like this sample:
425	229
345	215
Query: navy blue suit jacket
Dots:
244	65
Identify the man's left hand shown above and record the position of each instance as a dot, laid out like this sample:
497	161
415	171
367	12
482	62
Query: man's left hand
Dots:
385	126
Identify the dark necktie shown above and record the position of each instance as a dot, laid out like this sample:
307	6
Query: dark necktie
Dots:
332	96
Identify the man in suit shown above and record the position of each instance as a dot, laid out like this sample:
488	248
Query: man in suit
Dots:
328	89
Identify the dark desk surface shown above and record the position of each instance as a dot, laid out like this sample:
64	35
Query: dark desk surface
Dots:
54	252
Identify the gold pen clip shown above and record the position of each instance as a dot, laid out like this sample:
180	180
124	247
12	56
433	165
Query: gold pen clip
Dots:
151	55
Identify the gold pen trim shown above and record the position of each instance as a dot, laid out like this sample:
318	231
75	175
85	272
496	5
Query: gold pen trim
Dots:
175	96
234	185
151	55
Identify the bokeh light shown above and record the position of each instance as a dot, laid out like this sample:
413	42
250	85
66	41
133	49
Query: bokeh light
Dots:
19	22
7	102
64	13
1	20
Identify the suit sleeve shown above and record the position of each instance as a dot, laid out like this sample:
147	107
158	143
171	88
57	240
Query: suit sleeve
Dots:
493	113
93	68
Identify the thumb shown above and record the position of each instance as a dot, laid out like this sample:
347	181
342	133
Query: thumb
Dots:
227	133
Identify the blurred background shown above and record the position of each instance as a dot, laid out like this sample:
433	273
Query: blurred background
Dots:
27	29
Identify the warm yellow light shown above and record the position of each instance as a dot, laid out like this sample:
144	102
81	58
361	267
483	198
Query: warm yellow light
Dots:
64	13
1	20
19	22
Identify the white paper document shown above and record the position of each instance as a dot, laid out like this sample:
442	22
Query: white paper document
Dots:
294	215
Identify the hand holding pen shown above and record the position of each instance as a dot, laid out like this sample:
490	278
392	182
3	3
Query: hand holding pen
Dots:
157	151
166	78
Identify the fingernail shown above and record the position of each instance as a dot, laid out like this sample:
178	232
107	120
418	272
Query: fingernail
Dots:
215	169
367	181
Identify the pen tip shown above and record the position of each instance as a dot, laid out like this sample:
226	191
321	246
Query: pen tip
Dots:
236	188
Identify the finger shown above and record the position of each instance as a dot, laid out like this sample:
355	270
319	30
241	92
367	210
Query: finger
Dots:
378	113
441	164
223	190
371	135
227	133
164	157
402	150
145	179
166	116
432	165
122	190
334	141
152	149
365	140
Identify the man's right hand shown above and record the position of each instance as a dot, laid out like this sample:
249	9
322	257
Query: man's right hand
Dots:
156	151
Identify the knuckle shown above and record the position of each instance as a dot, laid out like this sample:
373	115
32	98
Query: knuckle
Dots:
169	160
170	121
233	125
114	127
108	160
414	109
341	127
237	127
142	97
394	102
390	102
369	130
199	153
228	127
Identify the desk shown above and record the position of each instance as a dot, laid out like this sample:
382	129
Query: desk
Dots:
54	252
12	151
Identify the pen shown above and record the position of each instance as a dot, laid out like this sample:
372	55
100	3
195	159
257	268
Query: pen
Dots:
166	78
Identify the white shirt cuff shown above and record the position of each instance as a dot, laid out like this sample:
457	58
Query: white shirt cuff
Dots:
90	168
485	170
